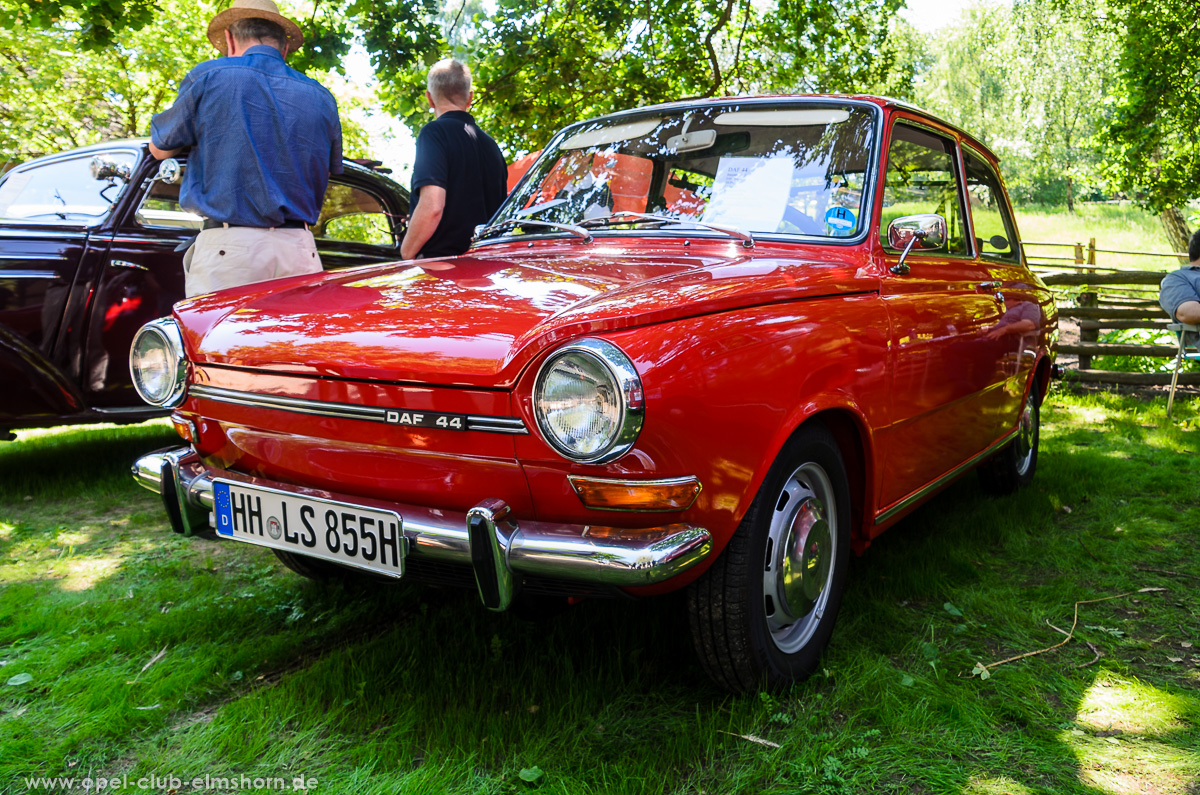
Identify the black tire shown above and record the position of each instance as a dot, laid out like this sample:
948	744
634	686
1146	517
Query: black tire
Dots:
314	568
1013	466
744	626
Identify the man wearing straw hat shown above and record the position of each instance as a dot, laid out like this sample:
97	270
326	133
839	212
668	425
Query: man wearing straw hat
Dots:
264	139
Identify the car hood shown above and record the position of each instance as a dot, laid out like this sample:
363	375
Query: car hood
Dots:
478	320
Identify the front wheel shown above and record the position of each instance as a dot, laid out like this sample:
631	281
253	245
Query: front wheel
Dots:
764	612
1012	466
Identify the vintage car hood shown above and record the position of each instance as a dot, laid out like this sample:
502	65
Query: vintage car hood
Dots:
478	320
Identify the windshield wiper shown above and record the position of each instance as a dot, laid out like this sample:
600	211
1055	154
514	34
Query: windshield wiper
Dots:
513	223
633	218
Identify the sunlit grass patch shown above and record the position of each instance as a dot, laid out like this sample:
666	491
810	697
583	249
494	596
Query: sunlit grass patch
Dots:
207	657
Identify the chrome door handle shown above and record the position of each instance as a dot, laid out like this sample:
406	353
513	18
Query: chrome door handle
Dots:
990	285
120	263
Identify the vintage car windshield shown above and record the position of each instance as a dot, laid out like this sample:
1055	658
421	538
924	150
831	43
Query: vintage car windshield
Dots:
61	191
794	169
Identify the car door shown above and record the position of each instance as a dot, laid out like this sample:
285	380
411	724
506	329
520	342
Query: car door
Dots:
50	211
998	249
140	281
942	310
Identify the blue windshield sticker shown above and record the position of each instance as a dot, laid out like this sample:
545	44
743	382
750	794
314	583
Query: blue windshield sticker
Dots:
840	221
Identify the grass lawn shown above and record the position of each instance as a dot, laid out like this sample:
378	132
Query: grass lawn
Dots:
1116	227
129	651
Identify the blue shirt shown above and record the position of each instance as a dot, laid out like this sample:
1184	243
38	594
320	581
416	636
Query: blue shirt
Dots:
1179	287
264	139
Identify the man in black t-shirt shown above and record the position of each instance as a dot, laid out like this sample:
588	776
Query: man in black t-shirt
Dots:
459	178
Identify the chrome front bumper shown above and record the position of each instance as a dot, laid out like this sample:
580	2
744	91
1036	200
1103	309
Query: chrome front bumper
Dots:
486	537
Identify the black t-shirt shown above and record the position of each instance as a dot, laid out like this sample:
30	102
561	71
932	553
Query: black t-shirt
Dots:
454	154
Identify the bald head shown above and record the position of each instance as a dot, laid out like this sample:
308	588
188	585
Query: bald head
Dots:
449	83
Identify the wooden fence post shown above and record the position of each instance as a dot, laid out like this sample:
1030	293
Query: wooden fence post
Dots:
1087	298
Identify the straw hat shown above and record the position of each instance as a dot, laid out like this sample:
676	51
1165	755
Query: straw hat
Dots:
252	9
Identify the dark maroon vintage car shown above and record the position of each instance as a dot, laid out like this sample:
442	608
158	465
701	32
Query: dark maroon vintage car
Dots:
88	255
713	346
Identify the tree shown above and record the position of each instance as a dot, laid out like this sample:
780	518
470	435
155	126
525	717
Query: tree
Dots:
1152	139
56	96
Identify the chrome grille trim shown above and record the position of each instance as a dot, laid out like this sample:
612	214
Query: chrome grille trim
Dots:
349	411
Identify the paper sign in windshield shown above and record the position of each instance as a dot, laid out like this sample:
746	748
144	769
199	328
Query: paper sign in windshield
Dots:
750	193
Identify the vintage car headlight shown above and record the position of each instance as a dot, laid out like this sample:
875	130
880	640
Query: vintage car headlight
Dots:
588	401
158	364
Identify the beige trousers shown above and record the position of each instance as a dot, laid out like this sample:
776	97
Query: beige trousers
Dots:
236	255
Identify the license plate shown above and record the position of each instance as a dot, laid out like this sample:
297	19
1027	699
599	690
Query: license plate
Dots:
365	538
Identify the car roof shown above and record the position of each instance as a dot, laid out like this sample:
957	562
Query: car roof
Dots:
880	101
143	145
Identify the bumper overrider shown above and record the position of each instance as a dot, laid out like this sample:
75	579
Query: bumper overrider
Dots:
487	537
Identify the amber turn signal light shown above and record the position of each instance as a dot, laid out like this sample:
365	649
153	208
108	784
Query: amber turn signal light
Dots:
185	428
608	494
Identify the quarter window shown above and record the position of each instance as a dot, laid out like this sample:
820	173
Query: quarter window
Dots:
921	178
995	236
351	215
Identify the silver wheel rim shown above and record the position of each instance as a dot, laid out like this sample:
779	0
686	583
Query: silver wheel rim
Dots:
798	566
1026	436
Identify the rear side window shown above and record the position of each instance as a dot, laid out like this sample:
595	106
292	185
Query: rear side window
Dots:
352	215
995	235
922	178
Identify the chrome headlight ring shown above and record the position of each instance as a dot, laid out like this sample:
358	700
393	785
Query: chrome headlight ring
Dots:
603	370
158	363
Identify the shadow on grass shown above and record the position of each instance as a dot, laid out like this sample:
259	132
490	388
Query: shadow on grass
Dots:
378	689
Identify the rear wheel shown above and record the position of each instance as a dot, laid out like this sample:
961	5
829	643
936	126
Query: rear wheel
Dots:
764	612
1013	466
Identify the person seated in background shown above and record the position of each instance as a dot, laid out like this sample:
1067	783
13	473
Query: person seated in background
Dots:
1179	294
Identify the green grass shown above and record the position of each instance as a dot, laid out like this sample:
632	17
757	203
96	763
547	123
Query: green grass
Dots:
378	689
1117	227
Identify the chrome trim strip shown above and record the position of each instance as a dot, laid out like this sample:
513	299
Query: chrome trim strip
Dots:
31	257
349	411
16	274
944	479
40	233
604	555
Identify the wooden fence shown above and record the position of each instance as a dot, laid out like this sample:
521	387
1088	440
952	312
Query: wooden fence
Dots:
1106	297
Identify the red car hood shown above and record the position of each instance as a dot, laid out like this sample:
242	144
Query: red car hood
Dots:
478	320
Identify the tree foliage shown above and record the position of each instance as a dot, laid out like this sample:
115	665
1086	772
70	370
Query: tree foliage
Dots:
1029	82
1153	136
540	64
54	96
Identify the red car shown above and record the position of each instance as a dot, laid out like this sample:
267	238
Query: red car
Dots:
712	345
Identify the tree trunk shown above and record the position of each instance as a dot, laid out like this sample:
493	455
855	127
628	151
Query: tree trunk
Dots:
1176	228
1070	195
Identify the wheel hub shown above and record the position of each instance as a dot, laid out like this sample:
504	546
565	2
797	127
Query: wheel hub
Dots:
807	555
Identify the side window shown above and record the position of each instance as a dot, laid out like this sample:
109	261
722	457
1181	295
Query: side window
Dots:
160	207
995	236
351	215
922	178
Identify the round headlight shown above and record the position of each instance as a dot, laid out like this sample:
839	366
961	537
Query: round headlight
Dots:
587	400
157	363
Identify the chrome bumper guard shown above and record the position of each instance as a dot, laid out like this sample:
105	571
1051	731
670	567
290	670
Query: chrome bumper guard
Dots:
486	537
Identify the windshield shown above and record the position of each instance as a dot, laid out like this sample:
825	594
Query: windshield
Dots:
798	168
62	191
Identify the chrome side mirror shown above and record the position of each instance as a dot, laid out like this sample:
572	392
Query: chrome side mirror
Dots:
108	167
169	171
922	232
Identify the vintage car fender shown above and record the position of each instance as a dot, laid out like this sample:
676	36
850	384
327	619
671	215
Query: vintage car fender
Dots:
36	388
